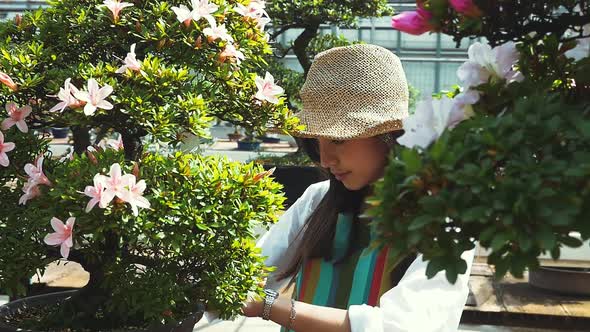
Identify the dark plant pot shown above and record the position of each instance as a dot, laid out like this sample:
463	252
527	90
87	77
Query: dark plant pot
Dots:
249	145
295	179
565	280
9	308
60	132
268	139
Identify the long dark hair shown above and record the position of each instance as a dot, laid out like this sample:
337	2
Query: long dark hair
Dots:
316	236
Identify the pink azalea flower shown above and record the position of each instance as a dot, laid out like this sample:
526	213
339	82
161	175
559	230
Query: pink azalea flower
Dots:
134	193
6	80
218	32
204	9
254	9
230	51
5	147
116	144
466	7
62	236
267	89
114	185
17	117
95	97
95	192
131	62
66	95
413	22
115	6
183	14
31	190
35	173
262	22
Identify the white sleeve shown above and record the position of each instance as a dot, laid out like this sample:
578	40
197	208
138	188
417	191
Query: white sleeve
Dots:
276	241
416	303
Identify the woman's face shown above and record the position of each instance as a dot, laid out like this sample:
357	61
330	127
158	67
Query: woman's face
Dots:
356	163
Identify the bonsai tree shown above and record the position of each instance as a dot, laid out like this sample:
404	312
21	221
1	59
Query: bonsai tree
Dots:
158	234
502	160
309	15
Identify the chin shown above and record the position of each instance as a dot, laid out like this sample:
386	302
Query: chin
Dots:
351	186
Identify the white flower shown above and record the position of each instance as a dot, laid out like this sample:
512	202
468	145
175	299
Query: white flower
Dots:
134	193
231	52
431	118
204	9
66	95
462	108
183	14
485	63
267	89
218	32
95	192
131	62
95	97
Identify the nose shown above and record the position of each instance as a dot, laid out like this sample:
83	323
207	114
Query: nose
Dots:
328	157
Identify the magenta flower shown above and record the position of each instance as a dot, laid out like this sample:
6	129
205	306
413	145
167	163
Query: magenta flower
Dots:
6	80
5	147
413	22
16	117
466	7
62	236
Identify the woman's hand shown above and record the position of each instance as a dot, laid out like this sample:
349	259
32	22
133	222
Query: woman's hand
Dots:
253	307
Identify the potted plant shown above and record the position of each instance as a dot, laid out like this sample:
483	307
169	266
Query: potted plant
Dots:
160	235
236	135
506	162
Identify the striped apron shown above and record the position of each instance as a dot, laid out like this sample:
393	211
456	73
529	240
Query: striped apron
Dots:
355	275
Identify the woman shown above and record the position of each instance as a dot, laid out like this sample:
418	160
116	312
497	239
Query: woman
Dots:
354	100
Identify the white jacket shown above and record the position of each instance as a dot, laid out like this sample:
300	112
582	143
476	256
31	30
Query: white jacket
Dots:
415	304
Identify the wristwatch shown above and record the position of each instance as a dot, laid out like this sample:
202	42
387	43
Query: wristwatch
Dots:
269	299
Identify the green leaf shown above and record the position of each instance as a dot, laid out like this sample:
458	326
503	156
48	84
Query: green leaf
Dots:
434	266
571	241
546	238
420	222
500	240
412	161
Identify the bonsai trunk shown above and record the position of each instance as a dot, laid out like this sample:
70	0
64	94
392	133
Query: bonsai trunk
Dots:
81	139
132	145
302	41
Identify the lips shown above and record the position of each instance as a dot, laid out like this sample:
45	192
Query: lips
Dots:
340	175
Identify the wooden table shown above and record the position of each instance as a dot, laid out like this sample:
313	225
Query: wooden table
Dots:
514	302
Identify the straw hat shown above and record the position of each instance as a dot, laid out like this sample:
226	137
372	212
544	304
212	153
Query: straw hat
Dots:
353	92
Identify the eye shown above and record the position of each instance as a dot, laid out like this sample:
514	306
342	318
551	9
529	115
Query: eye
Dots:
337	142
